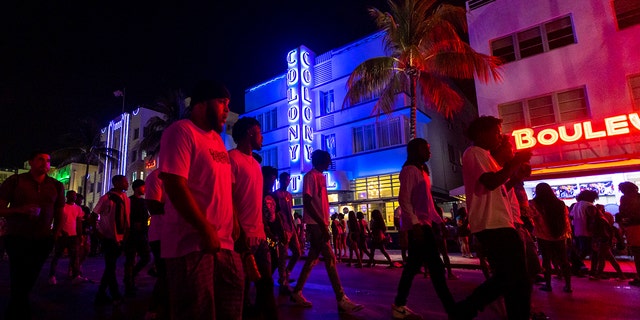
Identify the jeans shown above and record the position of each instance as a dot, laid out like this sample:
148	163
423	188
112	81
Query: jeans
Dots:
319	245
136	244
424	250
585	248
26	258
111	249
283	268
506	255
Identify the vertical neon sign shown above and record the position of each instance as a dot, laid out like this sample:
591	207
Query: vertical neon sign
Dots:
300	112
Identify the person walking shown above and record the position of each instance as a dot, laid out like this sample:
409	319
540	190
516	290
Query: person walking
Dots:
552	229
204	273
316	215
114	209
67	238
629	220
378	237
418	216
30	202
491	220
137	243
284	209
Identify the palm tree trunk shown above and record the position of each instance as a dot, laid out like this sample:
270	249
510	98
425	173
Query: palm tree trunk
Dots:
414	105
86	177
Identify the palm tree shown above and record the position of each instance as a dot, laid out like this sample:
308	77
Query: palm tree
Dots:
425	52
173	107
84	146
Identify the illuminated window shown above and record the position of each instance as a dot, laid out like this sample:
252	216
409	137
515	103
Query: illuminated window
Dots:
634	84
535	40
376	187
561	106
627	12
329	144
327	104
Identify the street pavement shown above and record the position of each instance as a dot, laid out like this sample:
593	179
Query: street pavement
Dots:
373	287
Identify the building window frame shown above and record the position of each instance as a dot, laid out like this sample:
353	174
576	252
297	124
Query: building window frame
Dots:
627	13
634	90
327	102
379	135
535	40
555	107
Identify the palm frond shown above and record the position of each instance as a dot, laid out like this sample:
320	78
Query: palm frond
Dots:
465	63
439	93
369	80
385	104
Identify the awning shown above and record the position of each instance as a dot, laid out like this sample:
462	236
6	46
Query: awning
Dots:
458	193
596	167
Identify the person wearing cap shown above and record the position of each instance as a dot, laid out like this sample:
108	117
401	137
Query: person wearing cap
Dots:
29	201
138	241
205	276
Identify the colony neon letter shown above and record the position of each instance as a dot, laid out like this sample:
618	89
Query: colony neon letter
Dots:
614	126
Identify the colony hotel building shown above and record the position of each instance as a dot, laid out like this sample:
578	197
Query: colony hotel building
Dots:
301	111
571	89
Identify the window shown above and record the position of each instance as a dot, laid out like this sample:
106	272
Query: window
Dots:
562	106
268	120
503	48
559	33
535	40
454	156
327	104
134	156
269	157
134	176
634	83
530	42
136	133
376	187
379	135
627	13
329	144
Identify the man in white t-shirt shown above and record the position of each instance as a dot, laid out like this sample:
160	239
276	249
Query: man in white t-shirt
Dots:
70	225
247	201
197	242
316	216
491	220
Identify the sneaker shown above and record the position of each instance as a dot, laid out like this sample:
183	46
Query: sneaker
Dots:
594	277
567	289
546	288
635	283
53	281
299	299
348	306
453	276
403	312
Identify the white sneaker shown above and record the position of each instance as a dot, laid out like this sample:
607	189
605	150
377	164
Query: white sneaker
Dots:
53	281
299	299
403	312
346	305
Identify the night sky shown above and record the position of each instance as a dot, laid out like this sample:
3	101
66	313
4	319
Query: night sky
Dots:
62	61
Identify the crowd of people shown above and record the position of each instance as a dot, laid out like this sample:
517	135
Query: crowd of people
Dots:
216	228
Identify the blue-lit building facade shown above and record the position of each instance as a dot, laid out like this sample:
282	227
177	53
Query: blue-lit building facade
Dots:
302	110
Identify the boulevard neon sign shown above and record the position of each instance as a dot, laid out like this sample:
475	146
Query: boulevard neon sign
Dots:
299	114
614	126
